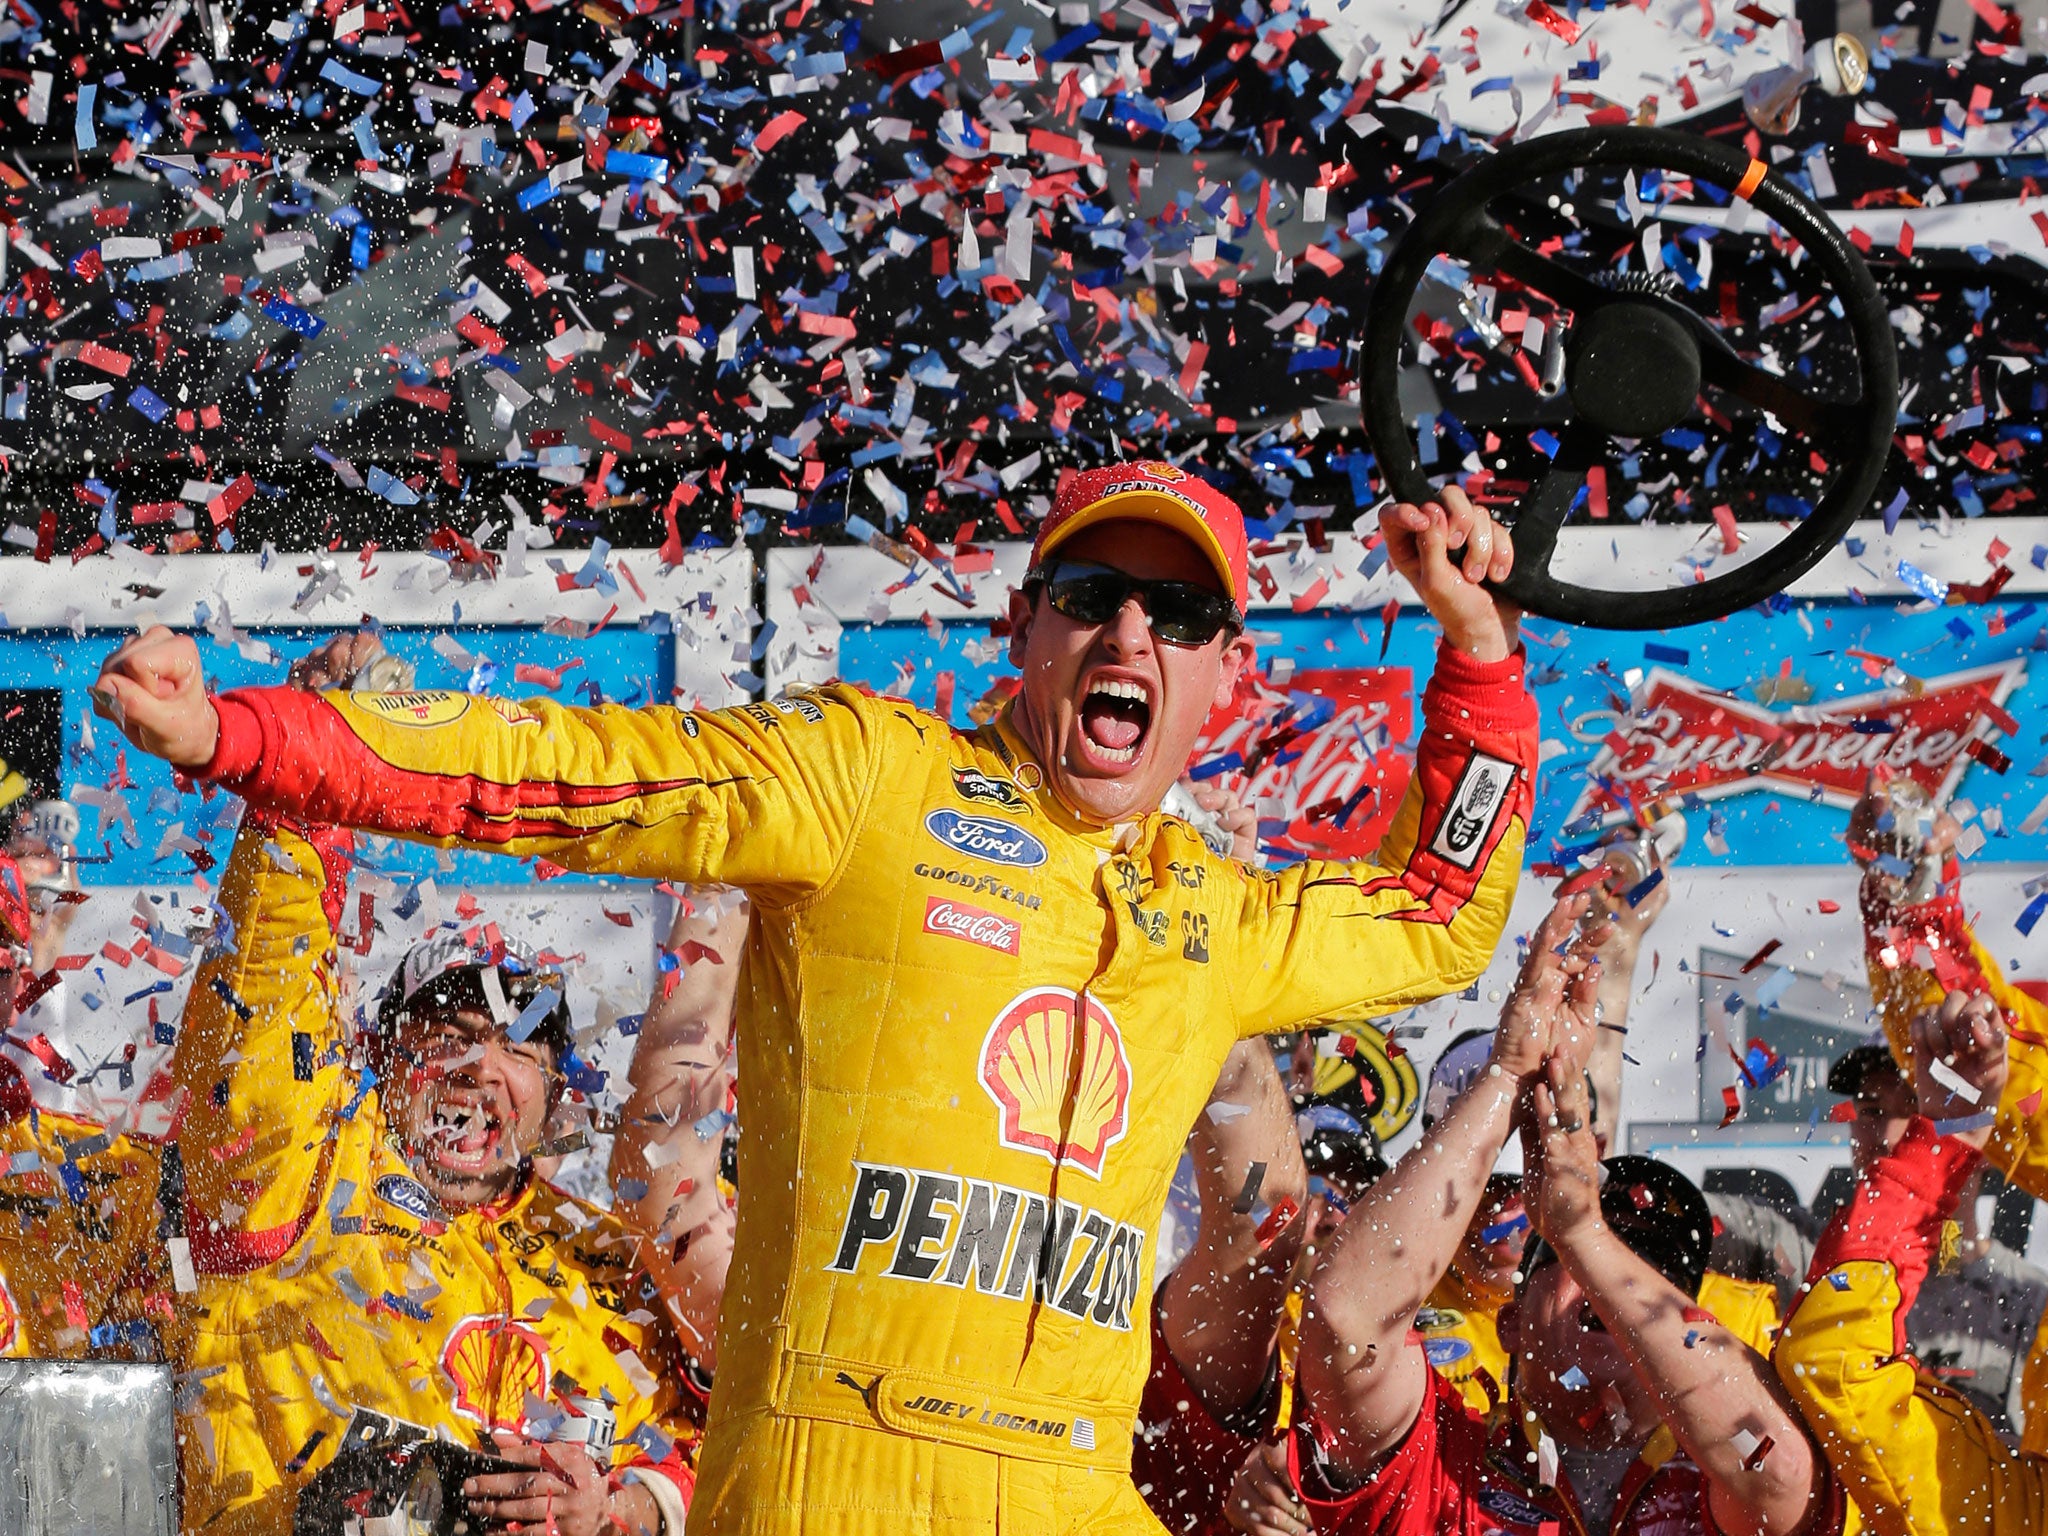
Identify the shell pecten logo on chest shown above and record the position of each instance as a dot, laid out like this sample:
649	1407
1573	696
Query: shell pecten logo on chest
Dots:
1054	1064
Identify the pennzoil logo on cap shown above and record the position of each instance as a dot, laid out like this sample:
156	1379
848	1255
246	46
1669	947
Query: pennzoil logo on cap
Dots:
421	709
1030	1059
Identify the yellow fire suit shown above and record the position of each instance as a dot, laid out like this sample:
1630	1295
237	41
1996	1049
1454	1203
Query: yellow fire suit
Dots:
1917	1458
1917	954
77	1216
974	1032
330	1282
1461	1337
1746	1308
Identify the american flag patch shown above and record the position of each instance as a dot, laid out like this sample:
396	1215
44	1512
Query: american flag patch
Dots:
1084	1434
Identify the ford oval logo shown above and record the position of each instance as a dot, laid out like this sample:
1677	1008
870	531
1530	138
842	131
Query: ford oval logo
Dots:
983	837
413	1199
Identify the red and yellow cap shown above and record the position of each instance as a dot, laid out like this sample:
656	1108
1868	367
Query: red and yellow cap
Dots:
1151	492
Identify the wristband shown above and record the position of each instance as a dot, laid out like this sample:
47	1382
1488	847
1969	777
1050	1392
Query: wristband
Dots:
1963	1125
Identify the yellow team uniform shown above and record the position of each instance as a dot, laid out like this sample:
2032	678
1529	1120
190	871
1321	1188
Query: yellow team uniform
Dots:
329	1280
1746	1308
1461	1337
974	1032
1917	1458
77	1218
1915	956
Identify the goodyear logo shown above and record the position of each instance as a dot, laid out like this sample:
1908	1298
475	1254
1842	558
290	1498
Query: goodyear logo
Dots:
1028	1067
941	1229
421	709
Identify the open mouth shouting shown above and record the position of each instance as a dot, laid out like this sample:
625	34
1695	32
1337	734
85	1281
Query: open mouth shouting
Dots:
1114	719
463	1137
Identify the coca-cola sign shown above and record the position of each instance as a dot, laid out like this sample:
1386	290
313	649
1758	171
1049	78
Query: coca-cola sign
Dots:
1681	738
1337	782
956	920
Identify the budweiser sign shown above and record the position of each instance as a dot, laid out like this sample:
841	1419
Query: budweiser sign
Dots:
956	920
1684	739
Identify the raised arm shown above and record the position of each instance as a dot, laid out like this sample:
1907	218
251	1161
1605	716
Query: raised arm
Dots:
1619	953
665	1158
1919	945
1219	1311
259	1054
1918	1460
761	797
1713	1392
1363	1375
1323	941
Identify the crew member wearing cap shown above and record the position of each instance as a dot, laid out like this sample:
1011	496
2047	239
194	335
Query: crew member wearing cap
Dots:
987	988
375	1254
1978	1315
1918	1458
1630	1410
78	1208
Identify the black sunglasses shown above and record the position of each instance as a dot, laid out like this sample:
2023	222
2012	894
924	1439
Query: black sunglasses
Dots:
1179	612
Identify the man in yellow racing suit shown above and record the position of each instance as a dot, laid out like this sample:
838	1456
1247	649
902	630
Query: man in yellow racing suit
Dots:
1918	1458
354	1282
1919	945
987	988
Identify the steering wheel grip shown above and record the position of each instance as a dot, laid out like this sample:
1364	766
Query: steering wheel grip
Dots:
1856	436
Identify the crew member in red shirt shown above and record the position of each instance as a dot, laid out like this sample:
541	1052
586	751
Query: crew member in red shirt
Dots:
1630	1409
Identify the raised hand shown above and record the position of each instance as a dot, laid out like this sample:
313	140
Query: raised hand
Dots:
560	1491
1959	1063
154	690
1554	1004
1560	1158
1422	542
335	664
1261	1501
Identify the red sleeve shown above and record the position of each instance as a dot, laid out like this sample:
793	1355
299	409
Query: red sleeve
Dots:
1182	1459
1896	1214
1427	1485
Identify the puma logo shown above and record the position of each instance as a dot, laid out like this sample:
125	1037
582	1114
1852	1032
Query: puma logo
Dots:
867	1393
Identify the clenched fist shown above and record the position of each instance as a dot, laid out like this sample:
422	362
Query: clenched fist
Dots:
154	689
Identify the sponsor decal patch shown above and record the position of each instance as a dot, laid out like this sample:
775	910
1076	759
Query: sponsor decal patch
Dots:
410	1197
1476	804
985	838
981	789
1446	1352
496	1365
1062	1082
956	920
421	709
942	1229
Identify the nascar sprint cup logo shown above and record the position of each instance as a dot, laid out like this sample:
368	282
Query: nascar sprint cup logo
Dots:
984	837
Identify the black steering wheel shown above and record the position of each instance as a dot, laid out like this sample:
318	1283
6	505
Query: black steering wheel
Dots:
1634	364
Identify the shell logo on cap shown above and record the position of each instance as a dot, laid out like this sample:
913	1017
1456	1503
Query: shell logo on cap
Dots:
495	1365
1062	1089
1163	471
